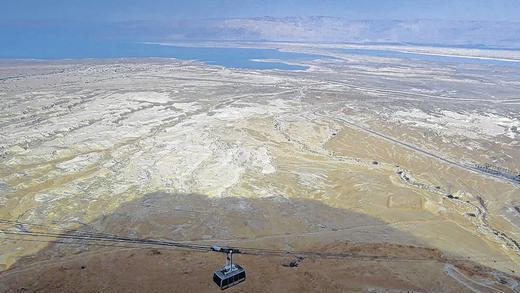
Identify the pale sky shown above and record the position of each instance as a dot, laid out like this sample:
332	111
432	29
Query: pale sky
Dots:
117	10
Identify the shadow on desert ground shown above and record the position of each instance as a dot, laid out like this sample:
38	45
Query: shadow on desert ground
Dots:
392	260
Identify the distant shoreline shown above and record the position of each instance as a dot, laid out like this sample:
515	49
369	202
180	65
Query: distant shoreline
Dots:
289	50
236	57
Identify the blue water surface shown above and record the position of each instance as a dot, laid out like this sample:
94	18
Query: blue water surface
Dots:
54	48
227	57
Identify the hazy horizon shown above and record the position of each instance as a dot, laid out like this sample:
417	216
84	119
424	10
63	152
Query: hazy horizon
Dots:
461	23
119	10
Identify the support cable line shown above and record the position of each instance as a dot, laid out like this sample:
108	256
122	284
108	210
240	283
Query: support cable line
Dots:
77	237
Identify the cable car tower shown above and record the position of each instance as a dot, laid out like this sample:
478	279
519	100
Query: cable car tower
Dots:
230	274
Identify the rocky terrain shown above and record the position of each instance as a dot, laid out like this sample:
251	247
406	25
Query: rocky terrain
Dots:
361	156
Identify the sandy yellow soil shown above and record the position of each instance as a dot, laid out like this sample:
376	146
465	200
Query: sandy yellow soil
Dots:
365	157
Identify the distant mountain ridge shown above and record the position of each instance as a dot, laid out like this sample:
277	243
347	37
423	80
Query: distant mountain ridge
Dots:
329	29
498	34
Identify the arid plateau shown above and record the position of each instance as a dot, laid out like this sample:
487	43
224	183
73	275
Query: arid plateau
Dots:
388	176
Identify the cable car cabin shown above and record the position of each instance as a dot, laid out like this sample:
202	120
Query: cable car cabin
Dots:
229	275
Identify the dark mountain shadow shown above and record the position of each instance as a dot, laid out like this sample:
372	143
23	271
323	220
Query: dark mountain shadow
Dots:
383	256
